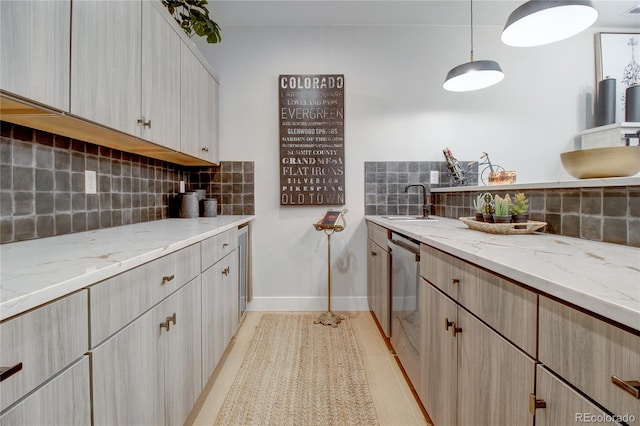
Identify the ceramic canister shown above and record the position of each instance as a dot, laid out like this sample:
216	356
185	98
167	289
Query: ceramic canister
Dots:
606	104
210	207
189	207
632	104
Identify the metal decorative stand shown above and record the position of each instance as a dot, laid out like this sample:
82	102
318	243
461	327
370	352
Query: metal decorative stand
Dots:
328	317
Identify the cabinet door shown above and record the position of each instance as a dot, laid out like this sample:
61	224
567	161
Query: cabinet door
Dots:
63	401
183	352
160	79
197	108
231	296
105	63
438	355
34	53
128	374
494	377
213	344
564	406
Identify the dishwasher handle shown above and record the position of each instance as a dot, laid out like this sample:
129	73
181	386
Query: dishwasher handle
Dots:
415	250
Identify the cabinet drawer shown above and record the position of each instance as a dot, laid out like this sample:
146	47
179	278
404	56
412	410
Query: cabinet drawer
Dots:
588	352
116	301
443	270
564	406
215	248
378	234
63	401
508	308
45	341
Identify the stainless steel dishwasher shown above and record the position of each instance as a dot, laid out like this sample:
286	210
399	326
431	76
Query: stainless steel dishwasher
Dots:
405	312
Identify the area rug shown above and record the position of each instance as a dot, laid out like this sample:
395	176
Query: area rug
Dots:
298	373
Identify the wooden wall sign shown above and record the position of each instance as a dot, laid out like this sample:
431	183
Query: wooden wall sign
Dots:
311	116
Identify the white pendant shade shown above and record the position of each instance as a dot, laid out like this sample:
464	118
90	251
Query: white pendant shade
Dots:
541	22
473	75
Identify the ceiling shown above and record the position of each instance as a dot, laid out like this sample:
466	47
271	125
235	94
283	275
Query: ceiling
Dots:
612	13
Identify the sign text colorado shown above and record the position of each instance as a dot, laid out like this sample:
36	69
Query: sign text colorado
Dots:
311	118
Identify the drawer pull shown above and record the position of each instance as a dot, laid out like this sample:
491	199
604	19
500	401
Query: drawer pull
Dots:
455	330
535	403
455	281
373	253
224	245
166	325
172	318
629	386
6	372
448	324
225	271
168	278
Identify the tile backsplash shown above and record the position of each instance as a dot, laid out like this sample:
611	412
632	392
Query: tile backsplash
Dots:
42	189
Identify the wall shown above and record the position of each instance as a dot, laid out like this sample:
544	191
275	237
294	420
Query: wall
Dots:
42	190
395	110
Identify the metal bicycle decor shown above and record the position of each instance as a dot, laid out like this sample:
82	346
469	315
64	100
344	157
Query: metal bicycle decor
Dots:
329	224
462	176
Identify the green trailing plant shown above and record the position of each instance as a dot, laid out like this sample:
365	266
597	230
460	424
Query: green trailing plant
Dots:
193	17
501	205
520	205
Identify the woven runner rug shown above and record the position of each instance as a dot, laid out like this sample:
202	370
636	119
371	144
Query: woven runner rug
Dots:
299	373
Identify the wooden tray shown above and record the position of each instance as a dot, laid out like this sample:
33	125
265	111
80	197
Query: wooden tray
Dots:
503	228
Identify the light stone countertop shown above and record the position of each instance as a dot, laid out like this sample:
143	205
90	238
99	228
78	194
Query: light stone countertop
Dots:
38	271
600	277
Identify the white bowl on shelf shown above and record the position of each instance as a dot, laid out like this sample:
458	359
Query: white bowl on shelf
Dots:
615	161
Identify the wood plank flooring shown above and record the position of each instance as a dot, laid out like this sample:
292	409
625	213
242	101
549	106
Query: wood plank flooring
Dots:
393	398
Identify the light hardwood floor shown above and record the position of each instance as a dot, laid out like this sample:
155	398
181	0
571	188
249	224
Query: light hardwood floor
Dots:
392	396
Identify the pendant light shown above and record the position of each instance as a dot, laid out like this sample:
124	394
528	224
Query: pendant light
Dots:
473	75
541	22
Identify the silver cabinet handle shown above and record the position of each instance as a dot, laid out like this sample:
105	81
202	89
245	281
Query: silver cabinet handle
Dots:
168	278
6	372
630	386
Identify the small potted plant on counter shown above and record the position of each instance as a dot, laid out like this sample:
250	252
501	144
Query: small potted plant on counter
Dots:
519	209
488	207
479	205
501	209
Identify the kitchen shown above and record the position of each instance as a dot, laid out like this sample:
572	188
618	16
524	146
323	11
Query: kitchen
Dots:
396	110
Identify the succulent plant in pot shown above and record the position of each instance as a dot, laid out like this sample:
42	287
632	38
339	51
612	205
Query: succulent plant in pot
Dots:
479	204
520	208
502	211
488	207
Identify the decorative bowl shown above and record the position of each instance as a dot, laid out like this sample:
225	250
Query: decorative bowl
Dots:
615	161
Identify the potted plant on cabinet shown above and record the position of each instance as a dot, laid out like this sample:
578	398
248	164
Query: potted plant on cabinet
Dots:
520	208
501	206
488	207
193	17
479	205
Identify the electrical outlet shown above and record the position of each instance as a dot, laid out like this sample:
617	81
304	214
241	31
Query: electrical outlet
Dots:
434	177
90	182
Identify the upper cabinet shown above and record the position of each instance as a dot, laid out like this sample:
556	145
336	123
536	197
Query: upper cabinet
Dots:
106	63
109	73
34	50
199	108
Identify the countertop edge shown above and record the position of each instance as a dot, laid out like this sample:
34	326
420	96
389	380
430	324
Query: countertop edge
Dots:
607	309
24	303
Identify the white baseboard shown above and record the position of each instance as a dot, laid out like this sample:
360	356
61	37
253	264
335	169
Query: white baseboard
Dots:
266	304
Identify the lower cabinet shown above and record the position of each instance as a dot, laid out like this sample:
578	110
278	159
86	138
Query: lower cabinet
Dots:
471	374
62	401
150	372
220	310
562	405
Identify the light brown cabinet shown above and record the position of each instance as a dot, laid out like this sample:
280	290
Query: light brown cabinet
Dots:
34	53
378	277
592	355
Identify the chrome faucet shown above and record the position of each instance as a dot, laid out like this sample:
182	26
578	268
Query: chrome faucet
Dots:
425	206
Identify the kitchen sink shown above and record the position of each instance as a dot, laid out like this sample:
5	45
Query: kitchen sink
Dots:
414	218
